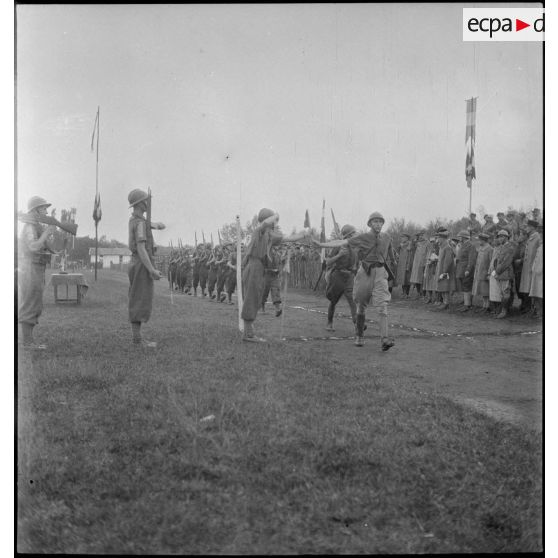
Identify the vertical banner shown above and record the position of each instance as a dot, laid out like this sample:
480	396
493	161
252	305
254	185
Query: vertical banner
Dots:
239	273
470	131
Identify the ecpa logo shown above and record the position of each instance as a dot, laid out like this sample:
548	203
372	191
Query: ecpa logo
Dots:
503	24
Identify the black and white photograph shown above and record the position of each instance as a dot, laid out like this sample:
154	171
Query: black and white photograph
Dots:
279	278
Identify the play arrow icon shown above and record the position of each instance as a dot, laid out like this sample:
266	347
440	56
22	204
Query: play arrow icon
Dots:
519	25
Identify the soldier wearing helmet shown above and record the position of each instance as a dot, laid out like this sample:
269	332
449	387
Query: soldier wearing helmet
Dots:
35	249
375	254
340	275
257	255
141	272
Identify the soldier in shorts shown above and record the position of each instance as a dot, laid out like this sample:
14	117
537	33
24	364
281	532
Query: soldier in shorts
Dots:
141	272
375	254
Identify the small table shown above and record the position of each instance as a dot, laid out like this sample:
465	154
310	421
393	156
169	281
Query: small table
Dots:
68	279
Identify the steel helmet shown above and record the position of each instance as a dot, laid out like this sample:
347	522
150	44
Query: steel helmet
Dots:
347	230
136	196
264	214
464	234
375	215
37	201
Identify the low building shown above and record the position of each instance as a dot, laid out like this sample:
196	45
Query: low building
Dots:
110	257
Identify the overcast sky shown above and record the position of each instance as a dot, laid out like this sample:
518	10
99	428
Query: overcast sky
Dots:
224	109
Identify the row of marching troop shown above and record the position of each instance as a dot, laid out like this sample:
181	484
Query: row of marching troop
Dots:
496	262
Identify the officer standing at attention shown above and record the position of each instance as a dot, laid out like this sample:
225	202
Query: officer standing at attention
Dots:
141	272
34	251
375	253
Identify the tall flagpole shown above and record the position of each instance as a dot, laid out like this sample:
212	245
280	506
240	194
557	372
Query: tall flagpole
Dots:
97	192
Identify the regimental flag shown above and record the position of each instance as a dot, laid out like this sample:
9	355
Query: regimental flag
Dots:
306	220
97	212
335	226
470	172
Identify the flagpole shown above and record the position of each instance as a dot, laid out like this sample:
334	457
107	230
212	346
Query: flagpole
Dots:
97	192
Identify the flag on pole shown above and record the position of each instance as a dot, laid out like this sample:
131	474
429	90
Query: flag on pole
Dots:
470	172
335	226
97	212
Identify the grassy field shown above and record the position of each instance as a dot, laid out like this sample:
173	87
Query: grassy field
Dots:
307	452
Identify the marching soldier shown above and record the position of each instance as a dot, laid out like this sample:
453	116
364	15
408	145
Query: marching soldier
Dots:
141	272
341	265
35	249
374	249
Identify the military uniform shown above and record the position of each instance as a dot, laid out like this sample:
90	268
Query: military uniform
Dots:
445	272
31	273
374	250
272	283
403	270
340	278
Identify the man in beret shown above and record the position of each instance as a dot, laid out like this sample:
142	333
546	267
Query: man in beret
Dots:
34	252
257	255
142	271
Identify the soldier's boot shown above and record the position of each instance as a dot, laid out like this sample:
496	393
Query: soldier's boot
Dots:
330	313
359	330
387	341
278	309
249	334
505	307
28	342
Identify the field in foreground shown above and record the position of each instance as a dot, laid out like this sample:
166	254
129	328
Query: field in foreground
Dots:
313	448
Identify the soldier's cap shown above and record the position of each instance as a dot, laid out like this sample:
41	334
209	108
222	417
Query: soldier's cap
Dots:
136	196
472	215
442	232
510	213
533	223
454	239
37	201
484	236
464	233
500	213
487	216
503	232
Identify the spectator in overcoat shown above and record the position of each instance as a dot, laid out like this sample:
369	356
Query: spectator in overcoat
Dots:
536	291
503	271
465	268
533	241
481	277
419	261
404	263
445	270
